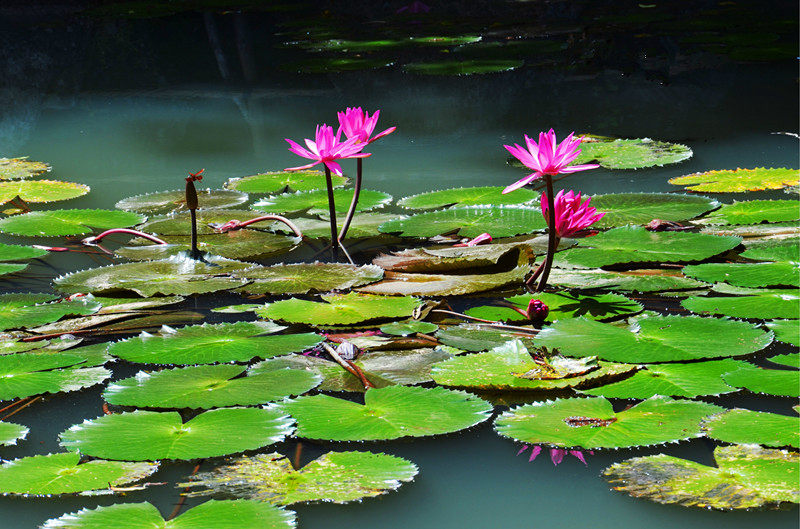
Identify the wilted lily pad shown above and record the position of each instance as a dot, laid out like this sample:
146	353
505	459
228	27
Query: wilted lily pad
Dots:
469	221
646	280
339	309
464	67
641	208
40	191
61	222
781	382
631	154
20	168
747	477
748	427
303	278
758	303
282	181
787	331
31	310
11	432
561	305
780	273
169	201
316	202
754	212
33	373
388	413
338	477
591	423
739	180
149	435
467	196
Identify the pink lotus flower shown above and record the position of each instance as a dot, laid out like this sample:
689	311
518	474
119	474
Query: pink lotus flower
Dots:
326	149
571	215
355	123
547	157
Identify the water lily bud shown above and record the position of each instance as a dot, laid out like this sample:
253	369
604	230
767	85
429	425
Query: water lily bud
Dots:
347	350
537	310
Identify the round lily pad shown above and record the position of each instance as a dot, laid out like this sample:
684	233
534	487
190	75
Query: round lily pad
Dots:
463	67
773	250
364	225
409	327
780	273
641	208
562	305
781	382
649	280
591	423
467	196
40	191
739	180
63	473
303	278
470	337
631	153
747	426
209	344
338	477
236	244
339	309
316	202
11	432
34	373
15	252
20	168
169	201
387	413
787	331
208	387
62	222
149	435
754	212
19	311
755	303
282	181
469	221
655	339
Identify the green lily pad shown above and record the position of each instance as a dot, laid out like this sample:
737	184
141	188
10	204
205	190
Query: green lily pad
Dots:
789	360
672	380
755	303
787	331
402	284
175	275
364	225
463	67
773	250
781	382
21	168
319	65
11	268
14	252
11	432
11	346
631	154
511	367
34	373
591	423
407	328
316	202
468	196
648	280
360	46
306	277
780	273
469	221
469	337
237	309
636	244
641	208
228	514
169	201
149	435
62	222
282	181
236	244
40	191
339	309
388	413
562	305
209	344
747	477
757	232
63	473
19	311
754	212
655	339
739	180
180	223
754	427
208	387
338	477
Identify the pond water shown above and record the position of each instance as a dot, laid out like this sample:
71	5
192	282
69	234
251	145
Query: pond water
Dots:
125	136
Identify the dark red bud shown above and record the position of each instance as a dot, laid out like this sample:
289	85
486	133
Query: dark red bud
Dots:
537	310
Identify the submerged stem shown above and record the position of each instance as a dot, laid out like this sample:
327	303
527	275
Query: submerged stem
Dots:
354	202
332	213
552	238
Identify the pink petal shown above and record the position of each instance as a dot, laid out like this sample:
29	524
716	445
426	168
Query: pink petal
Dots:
576	168
557	455
302	167
521	183
384	133
334	167
534	452
579	455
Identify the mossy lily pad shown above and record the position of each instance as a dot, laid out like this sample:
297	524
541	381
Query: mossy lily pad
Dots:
754	427
779	273
470	221
62	222
21	168
631	153
464	67
282	181
645	280
561	305
754	212
169	201
754	303
339	309
11	432
19	310
739	180
316	202
781	382
307	277
40	191
641	208
467	196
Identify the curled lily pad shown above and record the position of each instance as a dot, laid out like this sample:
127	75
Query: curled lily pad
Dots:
641	208
62	222
754	427
316	202
646	280
754	212
303	278
169	201
63	473
21	168
236	244
770	381
34	373
208	344
387	413
40	191
11	432
149	435
739	180
746	477
464	67
407	328
787	331
561	305
469	221
364	225
591	423
467	196
399	283
780	273
14	252
752	303
30	310
631	153
282	181
773	250
338	477
339	309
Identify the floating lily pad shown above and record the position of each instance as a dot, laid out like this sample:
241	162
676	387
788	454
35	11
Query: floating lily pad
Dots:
407	328
754	212
463	67
388	413
148	435
636	244
787	331
631	154
789	360
781	382
338	477
591	423
20	168
237	309
755	303
747	274
34	373
339	309
62	222
30	310
14	252
773	250
747	426
655	339
364	225
11	346
11	432
282	181
562	305
316	202
672	380
360	46
40	191
236	244
303	278
228	514
399	283
470	221
11	268
336	64
209	344
757	232
739	180
169	201
467	196
180	223
646	280
176	275
62	473
641	208
747	477
471	337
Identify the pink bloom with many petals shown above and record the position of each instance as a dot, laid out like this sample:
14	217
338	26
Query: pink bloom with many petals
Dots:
547	157
327	149
355	123
571	215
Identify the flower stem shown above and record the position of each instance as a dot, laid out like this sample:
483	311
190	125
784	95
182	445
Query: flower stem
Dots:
332	212
552	238
94	240
353	203
192	204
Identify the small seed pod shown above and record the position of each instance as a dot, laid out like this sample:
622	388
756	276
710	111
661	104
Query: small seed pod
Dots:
537	310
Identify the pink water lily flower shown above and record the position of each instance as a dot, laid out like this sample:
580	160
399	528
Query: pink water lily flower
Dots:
355	123
327	149
547	157
572	215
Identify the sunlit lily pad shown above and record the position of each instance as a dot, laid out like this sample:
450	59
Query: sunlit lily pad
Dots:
338	477
45	475
747	274
471	337
34	373
30	310
467	196
11	432
339	309
209	344
149	435
747	426
470	221
756	303
641	208
364	225
754	212
335	64
61	222
747	477
591	423
282	181
11	268
236	244
388	413
15	252
787	331
400	283
407	328
655	339
781	382
20	168
463	67
360	46
307	277
631	154
739	180
40	191
789	359
316	202
646	280
773	250
561	305
169	201
180	223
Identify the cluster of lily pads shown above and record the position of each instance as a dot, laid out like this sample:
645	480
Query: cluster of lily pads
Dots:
667	302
